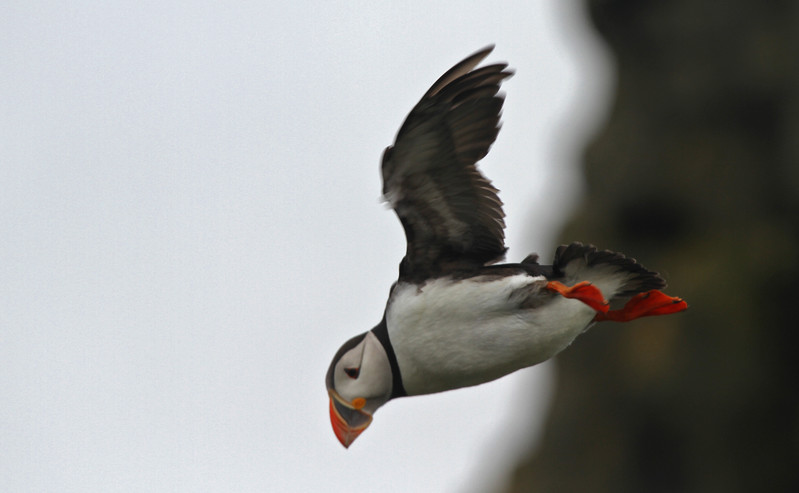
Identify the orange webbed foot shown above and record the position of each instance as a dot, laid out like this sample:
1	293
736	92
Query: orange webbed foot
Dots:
583	291
646	304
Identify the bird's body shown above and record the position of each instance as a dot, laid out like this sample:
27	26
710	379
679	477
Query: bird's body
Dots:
456	333
455	317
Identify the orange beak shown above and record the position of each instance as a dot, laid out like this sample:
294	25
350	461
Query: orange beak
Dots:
347	420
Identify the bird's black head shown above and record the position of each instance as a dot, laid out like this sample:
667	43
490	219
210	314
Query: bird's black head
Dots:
359	381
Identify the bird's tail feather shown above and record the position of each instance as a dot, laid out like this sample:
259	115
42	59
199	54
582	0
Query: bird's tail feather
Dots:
613	273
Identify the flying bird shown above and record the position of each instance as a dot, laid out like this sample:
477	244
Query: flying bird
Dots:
456	317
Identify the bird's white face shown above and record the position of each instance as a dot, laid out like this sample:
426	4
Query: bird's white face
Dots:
361	382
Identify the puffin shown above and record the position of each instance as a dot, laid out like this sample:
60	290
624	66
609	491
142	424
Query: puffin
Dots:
456	316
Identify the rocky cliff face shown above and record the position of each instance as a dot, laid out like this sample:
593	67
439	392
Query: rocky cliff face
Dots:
696	174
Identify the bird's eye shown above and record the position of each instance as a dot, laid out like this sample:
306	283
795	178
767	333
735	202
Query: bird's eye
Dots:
352	372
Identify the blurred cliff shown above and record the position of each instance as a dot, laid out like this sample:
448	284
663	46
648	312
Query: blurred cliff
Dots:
696	174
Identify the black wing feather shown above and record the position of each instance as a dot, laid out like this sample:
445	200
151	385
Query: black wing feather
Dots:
451	214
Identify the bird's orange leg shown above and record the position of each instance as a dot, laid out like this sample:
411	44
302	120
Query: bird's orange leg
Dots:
583	291
644	305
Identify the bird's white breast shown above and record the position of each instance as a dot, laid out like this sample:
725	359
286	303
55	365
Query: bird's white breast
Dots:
449	333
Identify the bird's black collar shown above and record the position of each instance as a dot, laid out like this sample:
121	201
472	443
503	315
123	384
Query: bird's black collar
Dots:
381	331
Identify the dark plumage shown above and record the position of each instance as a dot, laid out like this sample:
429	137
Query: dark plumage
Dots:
451	214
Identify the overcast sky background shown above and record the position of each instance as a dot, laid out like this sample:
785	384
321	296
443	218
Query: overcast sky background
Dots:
190	226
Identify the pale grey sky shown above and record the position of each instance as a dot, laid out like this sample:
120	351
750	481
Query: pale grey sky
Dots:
190	226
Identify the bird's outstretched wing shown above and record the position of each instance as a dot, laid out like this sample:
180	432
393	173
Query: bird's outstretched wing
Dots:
451	214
